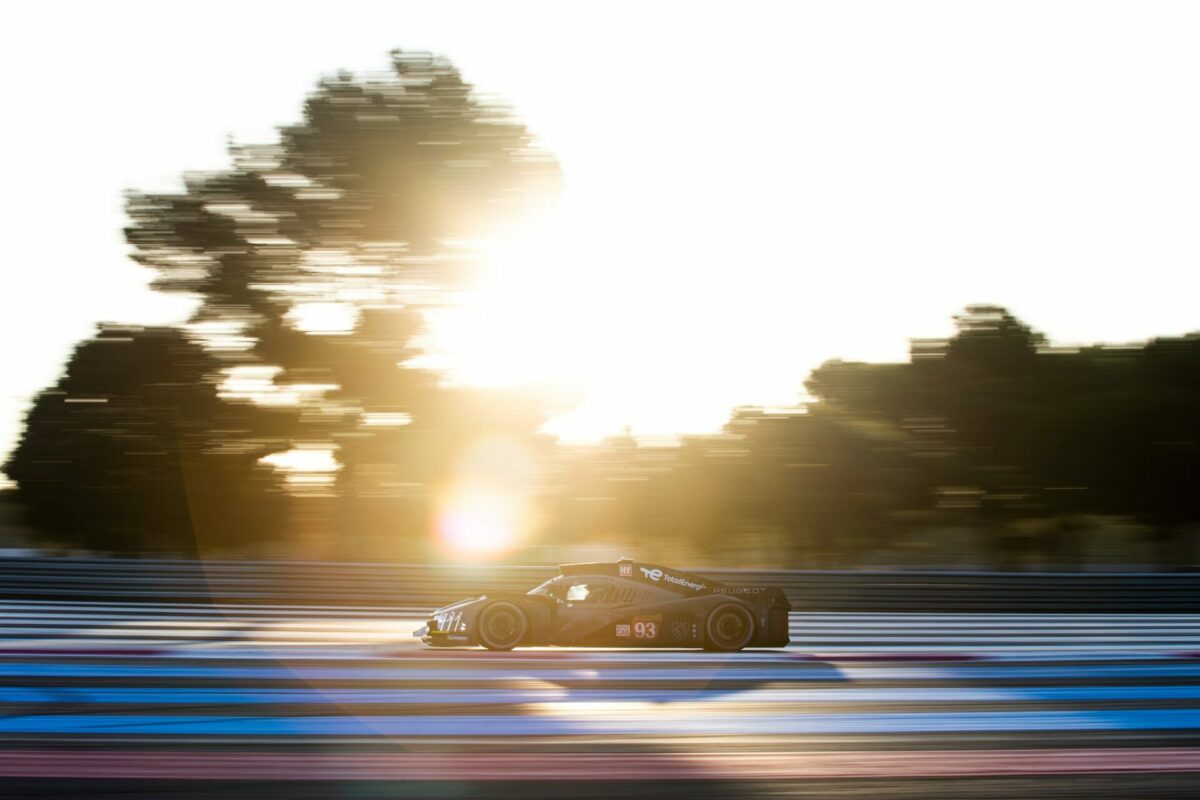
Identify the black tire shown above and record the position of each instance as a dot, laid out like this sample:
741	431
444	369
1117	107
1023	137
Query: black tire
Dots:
729	627
501	626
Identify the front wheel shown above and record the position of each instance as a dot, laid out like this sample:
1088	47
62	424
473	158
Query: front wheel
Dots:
729	627
501	626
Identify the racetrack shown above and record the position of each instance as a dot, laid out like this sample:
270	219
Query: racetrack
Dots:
326	702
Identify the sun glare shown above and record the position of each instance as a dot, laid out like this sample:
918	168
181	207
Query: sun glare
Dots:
479	522
513	326
487	509
621	341
538	316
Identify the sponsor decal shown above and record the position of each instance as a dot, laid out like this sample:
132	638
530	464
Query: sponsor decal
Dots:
626	570
658	575
739	590
680	630
623	630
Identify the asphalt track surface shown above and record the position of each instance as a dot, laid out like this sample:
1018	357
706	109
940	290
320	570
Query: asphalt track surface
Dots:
285	701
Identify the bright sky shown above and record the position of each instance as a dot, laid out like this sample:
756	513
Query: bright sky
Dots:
751	188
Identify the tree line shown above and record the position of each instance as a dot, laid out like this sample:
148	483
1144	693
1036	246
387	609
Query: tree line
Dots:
153	439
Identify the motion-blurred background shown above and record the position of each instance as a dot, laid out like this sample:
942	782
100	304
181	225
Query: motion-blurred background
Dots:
649	292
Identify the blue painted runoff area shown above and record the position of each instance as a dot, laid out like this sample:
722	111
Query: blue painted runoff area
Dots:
500	696
640	723
800	671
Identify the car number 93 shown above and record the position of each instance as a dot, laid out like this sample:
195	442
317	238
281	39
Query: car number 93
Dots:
645	630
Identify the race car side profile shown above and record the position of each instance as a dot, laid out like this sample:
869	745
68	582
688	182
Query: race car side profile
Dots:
616	604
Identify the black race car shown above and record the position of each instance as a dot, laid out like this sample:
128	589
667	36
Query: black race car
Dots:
619	604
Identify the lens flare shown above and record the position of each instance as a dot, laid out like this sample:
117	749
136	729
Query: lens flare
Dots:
487	510
480	522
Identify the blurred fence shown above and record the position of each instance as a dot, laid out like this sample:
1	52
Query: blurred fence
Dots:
420	585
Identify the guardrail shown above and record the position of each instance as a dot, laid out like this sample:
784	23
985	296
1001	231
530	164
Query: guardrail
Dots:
419	585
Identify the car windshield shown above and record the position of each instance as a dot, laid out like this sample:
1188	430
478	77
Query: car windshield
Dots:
570	591
549	588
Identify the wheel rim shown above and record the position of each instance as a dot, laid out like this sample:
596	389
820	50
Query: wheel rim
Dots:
730	629
501	627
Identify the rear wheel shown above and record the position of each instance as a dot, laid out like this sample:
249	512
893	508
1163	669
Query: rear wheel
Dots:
729	627
501	626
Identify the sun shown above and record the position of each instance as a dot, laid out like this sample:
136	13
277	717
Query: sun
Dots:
625	336
515	324
538	316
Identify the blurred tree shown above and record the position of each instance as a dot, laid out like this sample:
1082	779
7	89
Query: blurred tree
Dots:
323	248
343	229
990	338
372	191
313	259
1040	432
991	436
120	455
